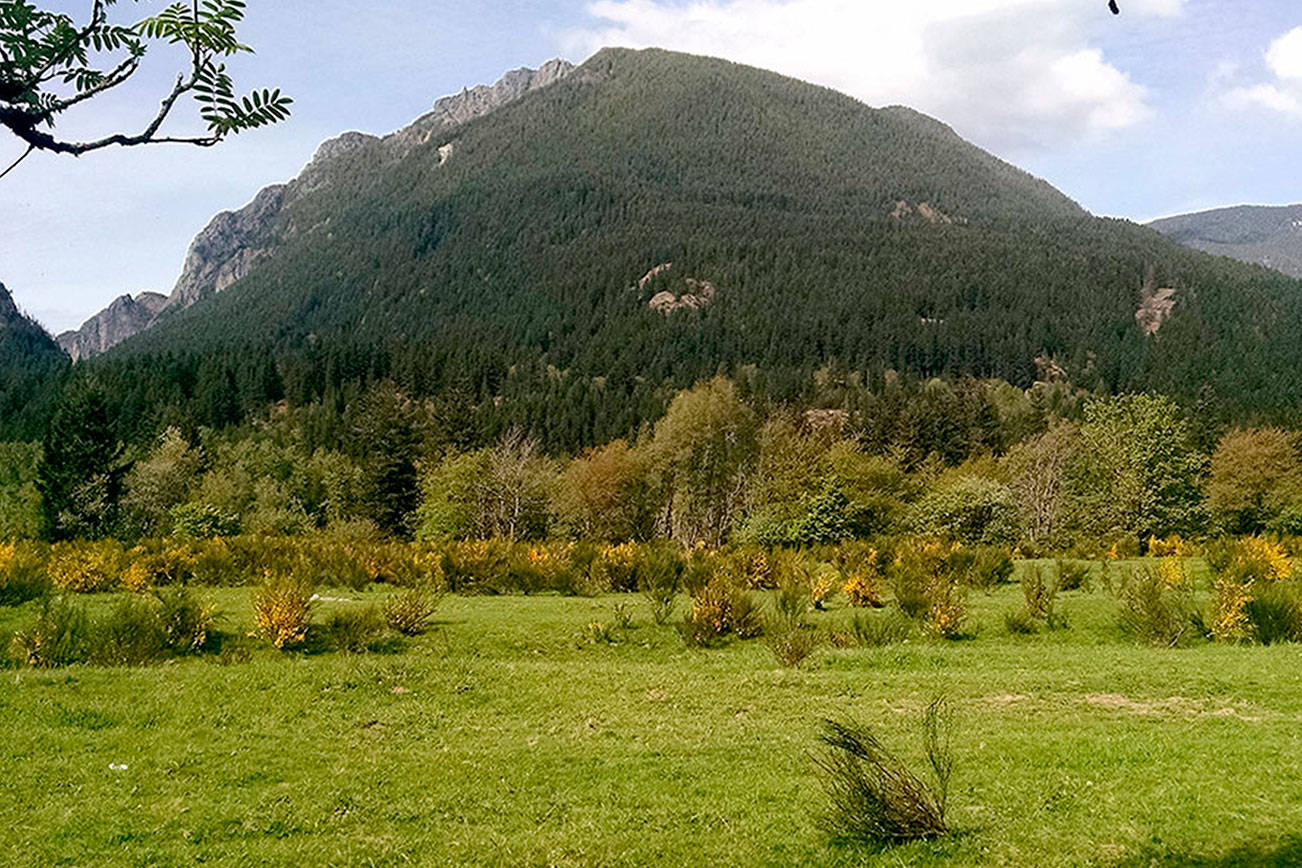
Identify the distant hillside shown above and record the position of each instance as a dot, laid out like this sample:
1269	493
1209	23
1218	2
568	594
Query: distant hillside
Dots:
1263	235
31	365
568	253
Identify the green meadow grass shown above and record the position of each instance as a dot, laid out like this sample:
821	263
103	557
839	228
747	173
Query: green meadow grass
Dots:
512	734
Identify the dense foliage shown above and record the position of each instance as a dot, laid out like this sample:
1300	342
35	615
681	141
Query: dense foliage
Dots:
974	462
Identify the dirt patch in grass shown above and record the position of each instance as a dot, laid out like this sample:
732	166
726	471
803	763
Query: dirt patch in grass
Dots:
1173	705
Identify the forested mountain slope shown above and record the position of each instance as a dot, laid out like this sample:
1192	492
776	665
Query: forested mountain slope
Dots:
1260	234
651	218
31	366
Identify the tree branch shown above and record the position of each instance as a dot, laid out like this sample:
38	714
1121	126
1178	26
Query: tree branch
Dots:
24	126
14	164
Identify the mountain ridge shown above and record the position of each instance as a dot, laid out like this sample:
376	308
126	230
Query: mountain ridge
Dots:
1269	235
510	263
233	240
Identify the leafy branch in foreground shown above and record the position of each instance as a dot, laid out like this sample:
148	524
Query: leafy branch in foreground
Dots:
49	64
874	798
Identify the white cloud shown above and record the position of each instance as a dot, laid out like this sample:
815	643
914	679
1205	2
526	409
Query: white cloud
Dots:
1285	55
1007	72
1284	94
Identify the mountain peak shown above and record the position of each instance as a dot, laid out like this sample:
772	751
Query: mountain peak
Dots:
125	316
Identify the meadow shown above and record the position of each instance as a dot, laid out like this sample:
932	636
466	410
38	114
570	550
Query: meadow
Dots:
573	730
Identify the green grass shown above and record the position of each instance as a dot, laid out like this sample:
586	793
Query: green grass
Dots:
507	735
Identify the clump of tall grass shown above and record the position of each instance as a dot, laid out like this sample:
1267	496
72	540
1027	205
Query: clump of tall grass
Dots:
1073	575
137	630
878	630
59	636
873	798
1274	613
355	629
658	578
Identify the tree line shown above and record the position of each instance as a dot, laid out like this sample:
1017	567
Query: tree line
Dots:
977	461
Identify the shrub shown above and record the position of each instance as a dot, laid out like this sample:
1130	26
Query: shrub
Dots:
990	566
410	611
1274	613
874	798
475	567
947	613
970	509
924	579
658	578
1041	598
1246	570
130	635
187	623
862	567
792	643
874	631
355	629
22	575
282	609
60	635
616	567
823	584
1073	575
84	567
1230	599
718	610
1157	605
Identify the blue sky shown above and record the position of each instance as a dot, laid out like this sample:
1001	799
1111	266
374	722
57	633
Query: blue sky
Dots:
1175	105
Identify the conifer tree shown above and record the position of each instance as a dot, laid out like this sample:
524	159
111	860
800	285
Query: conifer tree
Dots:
81	470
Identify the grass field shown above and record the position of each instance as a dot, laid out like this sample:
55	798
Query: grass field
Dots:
511	735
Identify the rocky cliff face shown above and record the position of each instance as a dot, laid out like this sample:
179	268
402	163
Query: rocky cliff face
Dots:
123	318
229	246
8	310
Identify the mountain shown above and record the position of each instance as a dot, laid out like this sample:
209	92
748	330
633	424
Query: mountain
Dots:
125	317
31	365
562	250
1264	235
229	246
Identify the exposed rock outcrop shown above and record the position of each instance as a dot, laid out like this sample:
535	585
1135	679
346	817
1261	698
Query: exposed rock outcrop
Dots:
699	294
451	111
125	317
1155	305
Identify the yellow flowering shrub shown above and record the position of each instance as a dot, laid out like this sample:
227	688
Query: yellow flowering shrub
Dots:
282	610
83	568
1174	573
1230	609
1264	558
616	566
824	584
